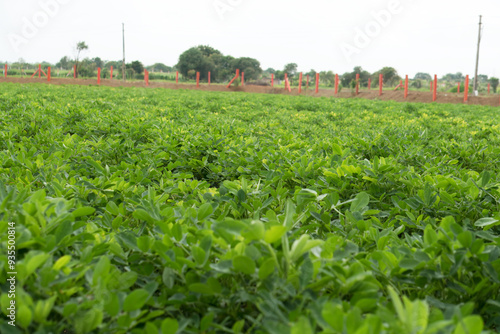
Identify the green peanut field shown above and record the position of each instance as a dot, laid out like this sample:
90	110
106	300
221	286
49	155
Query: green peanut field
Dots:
172	211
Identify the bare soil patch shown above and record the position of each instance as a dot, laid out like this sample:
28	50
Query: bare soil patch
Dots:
413	96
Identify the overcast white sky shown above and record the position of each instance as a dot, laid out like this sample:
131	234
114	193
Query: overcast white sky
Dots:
431	36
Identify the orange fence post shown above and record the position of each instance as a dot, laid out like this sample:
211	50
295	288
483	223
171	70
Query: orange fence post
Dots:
317	83
242	79
209	78
34	74
434	92
111	73
197	79
177	77
380	84
336	84
406	86
458	88
5	72
300	82
432	86
98	75
357	83
287	84
74	71
466	89
369	83
272	80
48	73
235	77
39	71
146	77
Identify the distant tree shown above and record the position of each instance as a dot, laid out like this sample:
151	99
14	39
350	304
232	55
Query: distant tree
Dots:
250	66
137	67
208	51
87	68
222	68
195	59
422	76
270	70
116	64
494	84
80	46
416	83
159	67
311	74
328	78
349	77
279	75
64	63
483	78
98	62
290	69
391	76
453	77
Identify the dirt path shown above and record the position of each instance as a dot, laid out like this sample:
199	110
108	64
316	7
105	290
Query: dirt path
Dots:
413	96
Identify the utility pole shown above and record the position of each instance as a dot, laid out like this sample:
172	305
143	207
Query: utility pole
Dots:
477	58
123	64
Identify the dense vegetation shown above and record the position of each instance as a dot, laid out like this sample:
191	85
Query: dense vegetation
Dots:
158	211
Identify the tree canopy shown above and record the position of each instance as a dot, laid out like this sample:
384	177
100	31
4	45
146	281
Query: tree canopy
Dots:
391	76
349	77
204	58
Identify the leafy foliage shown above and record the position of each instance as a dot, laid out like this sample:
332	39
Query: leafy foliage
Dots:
160	211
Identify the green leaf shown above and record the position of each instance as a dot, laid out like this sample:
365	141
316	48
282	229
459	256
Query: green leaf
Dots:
430	235
267	268
336	149
169	326
135	300
398	306
360	201
206	321
199	255
88	321
151	328
242	196
306	196
35	262
244	264
484	222
112	305
302	326
141	214
205	211
334	316
83	211
274	233
168	277
289	213
470	325
238	326
255	231
101	269
24	316
43	308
